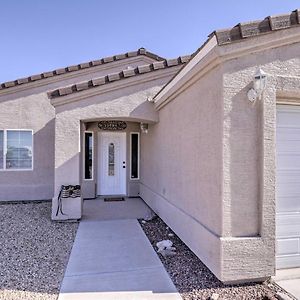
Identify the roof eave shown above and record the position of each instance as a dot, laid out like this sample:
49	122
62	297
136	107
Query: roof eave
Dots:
186	73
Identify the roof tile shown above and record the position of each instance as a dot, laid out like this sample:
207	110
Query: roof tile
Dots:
132	54
82	86
297	12
128	72
99	81
60	71
255	28
47	74
74	68
280	22
172	62
144	69
108	59
65	90
113	77
185	59
9	84
23	80
119	56
84	65
158	65
142	51
97	62
35	77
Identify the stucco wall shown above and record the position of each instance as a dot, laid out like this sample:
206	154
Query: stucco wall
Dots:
28	107
213	182
181	166
124	100
248	246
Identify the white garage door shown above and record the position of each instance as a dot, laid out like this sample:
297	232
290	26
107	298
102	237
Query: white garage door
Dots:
288	187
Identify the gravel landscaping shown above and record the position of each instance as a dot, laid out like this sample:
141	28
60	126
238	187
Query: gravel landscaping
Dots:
34	251
193	279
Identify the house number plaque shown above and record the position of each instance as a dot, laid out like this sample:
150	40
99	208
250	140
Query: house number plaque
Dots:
112	125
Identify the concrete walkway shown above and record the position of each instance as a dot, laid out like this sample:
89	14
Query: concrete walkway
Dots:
289	280
131	208
115	260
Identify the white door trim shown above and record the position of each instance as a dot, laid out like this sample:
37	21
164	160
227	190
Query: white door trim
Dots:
111	185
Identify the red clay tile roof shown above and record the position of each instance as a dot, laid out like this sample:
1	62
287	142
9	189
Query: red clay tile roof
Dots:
94	63
254	28
167	63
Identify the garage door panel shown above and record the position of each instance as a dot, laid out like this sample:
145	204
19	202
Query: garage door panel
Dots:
287	246
288	187
288	176
288	261
287	225
288	116
287	161
288	203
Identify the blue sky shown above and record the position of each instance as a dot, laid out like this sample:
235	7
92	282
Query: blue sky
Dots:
41	35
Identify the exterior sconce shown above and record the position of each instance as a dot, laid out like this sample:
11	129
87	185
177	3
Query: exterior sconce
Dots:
144	127
259	84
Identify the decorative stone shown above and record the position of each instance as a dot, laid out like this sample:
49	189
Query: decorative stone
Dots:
214	296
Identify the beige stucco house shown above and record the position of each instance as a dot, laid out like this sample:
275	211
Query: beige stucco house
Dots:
211	142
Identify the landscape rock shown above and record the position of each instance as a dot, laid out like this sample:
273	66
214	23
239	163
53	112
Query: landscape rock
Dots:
214	296
165	244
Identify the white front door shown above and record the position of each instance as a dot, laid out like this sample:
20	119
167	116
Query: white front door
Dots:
111	163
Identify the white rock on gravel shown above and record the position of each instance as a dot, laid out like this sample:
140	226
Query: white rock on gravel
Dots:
165	244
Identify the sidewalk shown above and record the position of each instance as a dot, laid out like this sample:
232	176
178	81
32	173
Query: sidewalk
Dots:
115	260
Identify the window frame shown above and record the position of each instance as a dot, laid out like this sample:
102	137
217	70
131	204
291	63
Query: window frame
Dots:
93	158
138	159
5	150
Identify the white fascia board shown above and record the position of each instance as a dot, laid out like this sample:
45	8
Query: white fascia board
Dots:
183	76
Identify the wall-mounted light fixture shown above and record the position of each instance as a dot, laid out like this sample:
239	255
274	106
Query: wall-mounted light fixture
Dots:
259	84
144	127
